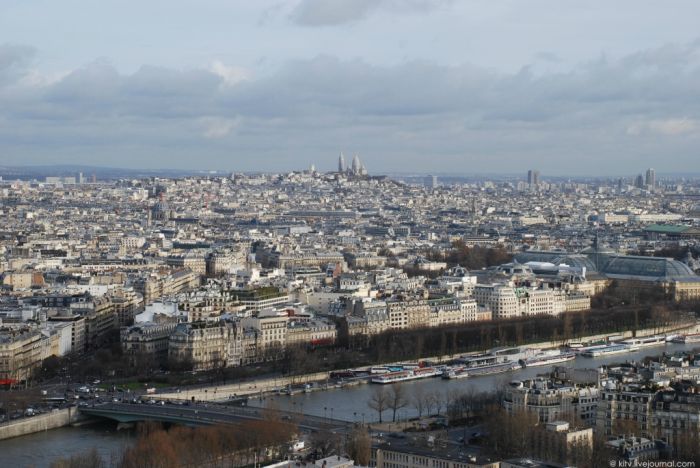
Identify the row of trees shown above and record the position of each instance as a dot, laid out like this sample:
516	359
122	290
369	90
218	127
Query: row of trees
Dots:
458	406
396	345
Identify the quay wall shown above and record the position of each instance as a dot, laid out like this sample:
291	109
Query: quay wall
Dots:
38	423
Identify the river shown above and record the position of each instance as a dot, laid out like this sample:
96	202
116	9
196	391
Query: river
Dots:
38	450
350	403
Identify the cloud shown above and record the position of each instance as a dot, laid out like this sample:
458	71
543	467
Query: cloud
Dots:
412	116
14	59
230	75
667	127
216	127
336	12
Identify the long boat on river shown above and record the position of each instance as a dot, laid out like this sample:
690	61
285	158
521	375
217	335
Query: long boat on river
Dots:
484	364
644	342
548	358
407	374
692	338
606	350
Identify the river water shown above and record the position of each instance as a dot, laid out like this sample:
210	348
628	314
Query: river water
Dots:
41	448
350	403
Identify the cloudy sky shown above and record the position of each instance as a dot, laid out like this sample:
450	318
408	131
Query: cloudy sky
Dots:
442	86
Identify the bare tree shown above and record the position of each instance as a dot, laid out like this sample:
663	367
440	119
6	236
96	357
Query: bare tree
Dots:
90	459
359	446
418	400
397	399
378	401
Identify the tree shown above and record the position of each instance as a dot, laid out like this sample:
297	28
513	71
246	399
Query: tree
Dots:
91	459
379	401
568	326
326	443
397	399
418	400
359	446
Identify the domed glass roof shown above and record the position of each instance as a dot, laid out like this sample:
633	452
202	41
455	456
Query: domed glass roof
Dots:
557	258
647	267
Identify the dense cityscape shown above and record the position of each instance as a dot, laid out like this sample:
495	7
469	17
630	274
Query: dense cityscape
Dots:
349	233
250	287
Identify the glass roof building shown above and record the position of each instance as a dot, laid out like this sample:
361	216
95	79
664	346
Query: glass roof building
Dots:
616	266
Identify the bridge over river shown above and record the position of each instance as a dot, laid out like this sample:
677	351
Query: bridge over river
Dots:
207	414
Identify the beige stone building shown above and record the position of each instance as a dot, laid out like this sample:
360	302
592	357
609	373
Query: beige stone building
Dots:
204	346
21	352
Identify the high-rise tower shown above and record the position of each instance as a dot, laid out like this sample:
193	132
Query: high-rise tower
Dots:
341	162
650	180
533	178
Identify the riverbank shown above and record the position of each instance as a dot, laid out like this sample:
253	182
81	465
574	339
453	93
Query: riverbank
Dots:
42	422
221	393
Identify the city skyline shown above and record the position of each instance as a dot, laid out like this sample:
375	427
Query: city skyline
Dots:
481	88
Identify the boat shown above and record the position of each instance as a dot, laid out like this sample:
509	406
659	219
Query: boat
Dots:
574	347
482	364
545	359
455	372
692	338
605	350
644	342
513	354
404	375
461	372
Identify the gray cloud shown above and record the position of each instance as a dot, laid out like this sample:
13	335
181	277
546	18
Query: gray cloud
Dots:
607	115
14	60
336	12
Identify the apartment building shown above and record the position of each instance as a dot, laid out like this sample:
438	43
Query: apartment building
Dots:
148	340
551	401
203	346
21	352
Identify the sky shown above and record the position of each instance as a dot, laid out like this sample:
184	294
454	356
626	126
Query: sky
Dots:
420	86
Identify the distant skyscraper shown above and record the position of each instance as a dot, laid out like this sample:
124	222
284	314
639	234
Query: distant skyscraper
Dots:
650	178
533	178
639	181
430	181
341	162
